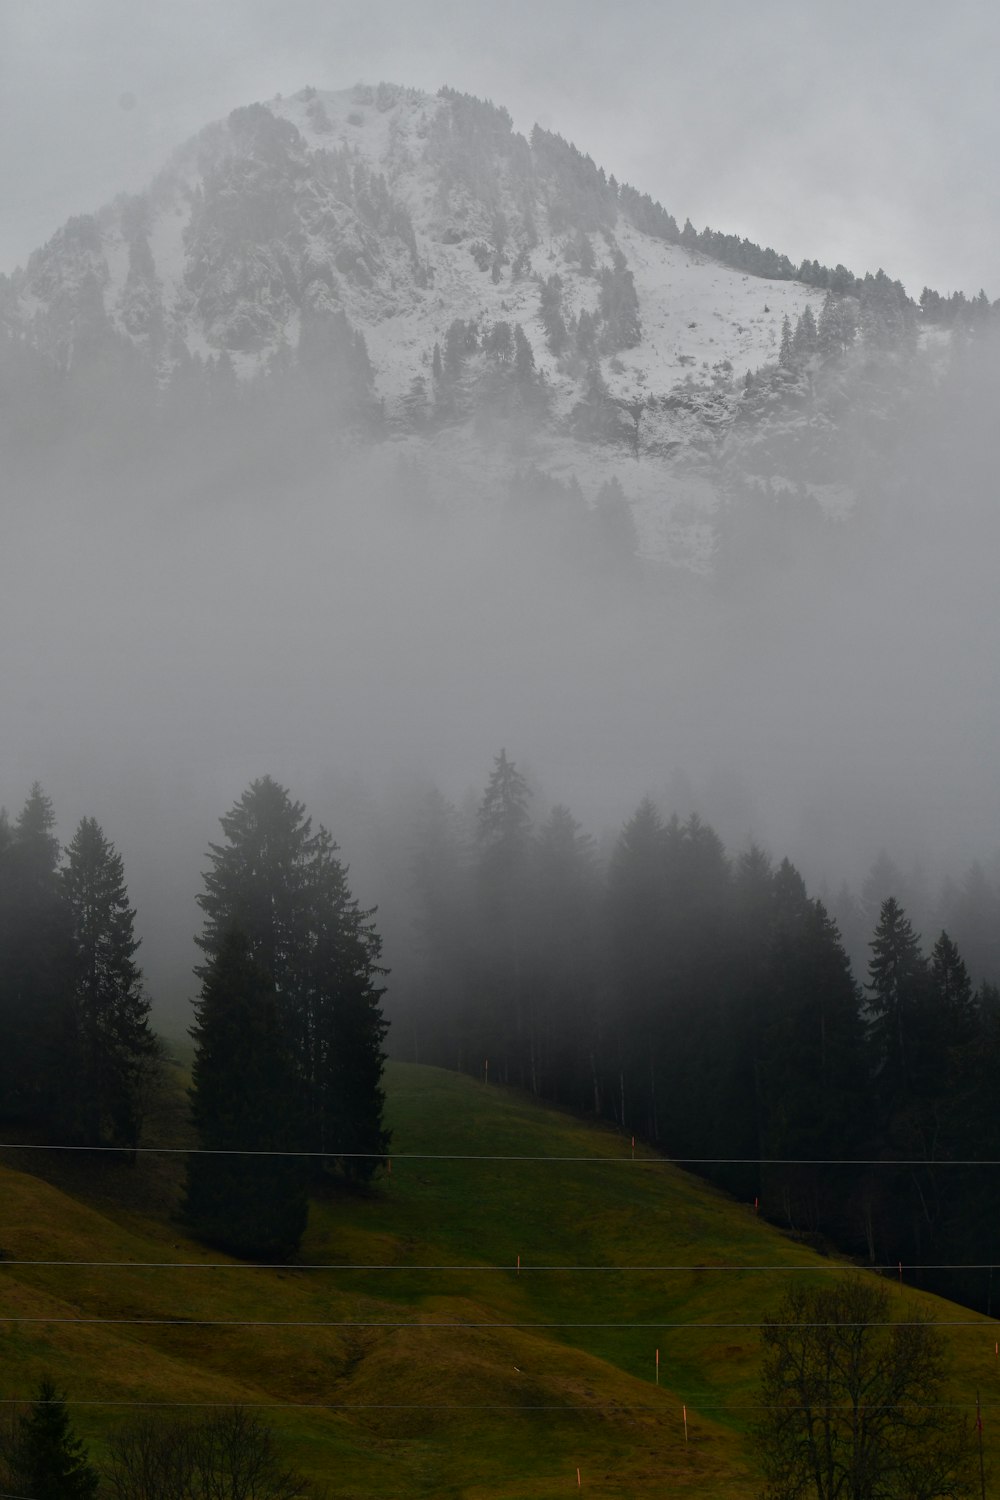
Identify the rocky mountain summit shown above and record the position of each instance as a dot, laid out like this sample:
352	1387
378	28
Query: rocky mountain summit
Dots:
482	304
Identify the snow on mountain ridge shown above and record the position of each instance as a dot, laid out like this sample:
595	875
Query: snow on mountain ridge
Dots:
372	202
679	291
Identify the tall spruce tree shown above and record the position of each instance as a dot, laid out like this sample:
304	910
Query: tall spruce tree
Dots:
637	913
698	934
116	1050
804	339
244	1098
739	1042
35	966
619	306
954	1010
566	957
282	886
897	989
953	1045
972	1231
503	832
444	1026
900	1038
812	1073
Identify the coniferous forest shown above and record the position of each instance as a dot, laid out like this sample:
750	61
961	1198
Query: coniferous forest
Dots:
705	1002
699	1001
288	1026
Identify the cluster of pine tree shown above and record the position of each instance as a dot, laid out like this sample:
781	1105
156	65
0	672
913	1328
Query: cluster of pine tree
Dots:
613	324
289	1027
707	1005
882	314
78	1056
648	216
485	369
744	255
577	193
479	153
957	309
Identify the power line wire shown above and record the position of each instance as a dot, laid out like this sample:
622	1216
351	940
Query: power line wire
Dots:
464	1323
430	1156
615	1406
506	1268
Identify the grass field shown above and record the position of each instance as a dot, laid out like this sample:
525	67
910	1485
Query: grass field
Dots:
389	1403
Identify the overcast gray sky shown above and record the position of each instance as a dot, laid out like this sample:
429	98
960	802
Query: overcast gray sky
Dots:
862	132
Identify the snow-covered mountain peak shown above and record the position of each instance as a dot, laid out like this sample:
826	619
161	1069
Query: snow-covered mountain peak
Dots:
404	205
421	253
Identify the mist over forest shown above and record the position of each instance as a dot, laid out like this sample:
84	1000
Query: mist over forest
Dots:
181	620
271	508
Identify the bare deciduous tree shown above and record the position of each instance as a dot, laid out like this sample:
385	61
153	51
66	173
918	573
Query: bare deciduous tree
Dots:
231	1455
852	1402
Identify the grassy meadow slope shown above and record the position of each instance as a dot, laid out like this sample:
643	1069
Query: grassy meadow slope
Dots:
423	1410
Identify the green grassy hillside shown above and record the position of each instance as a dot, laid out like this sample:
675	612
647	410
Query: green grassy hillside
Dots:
413	1409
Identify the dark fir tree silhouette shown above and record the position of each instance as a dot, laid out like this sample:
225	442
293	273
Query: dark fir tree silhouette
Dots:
804	340
35	966
503	818
696	928
116	1049
883	880
443	1025
619	306
954	1009
551	314
740	1040
812	1074
524	356
282	886
952	1110
244	1098
637	903
897	989
975	1205
566	961
45	1459
905	1068
503	832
